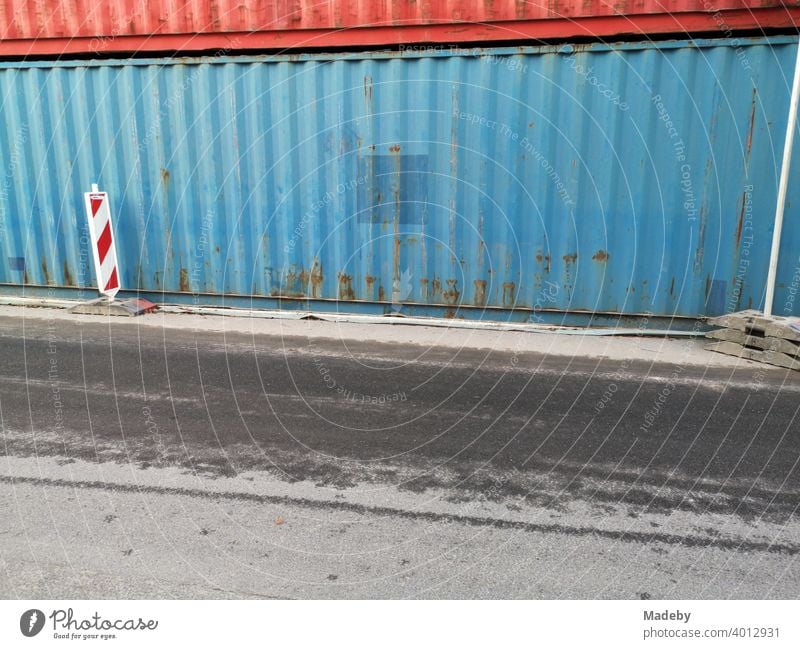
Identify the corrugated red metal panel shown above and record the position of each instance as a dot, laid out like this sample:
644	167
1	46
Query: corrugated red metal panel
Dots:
54	18
53	26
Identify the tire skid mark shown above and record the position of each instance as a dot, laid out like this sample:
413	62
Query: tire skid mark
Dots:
686	541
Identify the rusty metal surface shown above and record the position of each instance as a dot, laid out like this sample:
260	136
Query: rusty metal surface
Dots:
596	179
51	27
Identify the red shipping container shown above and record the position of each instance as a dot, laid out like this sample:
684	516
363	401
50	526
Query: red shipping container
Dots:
54	27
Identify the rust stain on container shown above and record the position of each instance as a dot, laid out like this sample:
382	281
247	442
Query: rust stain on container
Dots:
480	292
750	131
368	90
452	294
570	258
316	278
45	272
740	223
508	293
600	255
165	177
395	148
67	275
381	294
300	284
546	259
346	287
289	284
370	280
184	281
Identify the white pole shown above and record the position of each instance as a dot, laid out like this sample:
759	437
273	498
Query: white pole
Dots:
782	187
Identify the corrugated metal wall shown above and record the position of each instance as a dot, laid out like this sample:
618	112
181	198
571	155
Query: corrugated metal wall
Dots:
628	179
52	27
36	19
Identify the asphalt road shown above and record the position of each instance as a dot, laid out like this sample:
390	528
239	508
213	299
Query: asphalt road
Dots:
147	462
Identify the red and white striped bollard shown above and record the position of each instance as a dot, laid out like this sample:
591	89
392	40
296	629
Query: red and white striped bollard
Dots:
104	251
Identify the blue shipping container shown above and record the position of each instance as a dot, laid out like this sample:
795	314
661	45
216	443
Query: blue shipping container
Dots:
509	183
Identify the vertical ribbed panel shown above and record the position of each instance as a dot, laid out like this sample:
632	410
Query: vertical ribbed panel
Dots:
534	178
35	19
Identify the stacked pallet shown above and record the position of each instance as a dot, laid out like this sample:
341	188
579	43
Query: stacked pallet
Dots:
752	335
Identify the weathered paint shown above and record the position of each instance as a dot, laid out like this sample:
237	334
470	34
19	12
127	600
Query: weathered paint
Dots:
528	179
42	27
51	18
